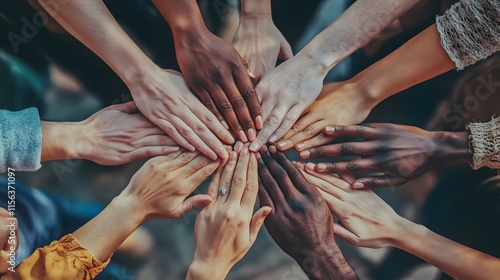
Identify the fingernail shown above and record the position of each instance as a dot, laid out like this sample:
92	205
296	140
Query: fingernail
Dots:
221	151
300	146
294	162
212	155
225	125
251	134
242	136
251	74
254	147
310	166
191	148
305	154
358	186
230	139
321	167
282	145
273	149
232	156
300	165
329	129
244	151
259	123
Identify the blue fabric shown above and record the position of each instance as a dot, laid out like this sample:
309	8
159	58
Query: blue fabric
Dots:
20	140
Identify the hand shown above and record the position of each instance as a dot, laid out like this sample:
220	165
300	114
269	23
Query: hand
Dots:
226	229
260	43
401	153
366	220
286	92
300	223
165	99
219	77
340	104
120	134
161	187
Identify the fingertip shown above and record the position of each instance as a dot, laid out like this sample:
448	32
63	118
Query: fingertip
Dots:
242	136
358	185
254	147
273	149
329	130
282	145
259	122
320	167
244	151
251	134
310	166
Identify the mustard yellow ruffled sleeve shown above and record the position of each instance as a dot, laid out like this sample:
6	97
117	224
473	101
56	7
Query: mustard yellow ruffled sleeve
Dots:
61	260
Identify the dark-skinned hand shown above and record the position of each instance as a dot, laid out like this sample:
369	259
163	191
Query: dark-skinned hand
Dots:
395	153
300	222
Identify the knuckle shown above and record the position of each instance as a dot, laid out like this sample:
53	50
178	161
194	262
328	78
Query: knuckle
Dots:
184	131
346	148
273	121
374	183
251	187
184	158
360	129
225	106
352	166
202	161
249	93
318	151
207	119
296	127
309	130
239	102
207	102
238	180
198	128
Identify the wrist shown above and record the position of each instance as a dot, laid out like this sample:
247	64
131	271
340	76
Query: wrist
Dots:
408	235
130	207
201	270
256	9
452	148
60	140
310	64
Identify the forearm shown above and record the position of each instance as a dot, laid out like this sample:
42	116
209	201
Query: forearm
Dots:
353	29
182	16
256	8
327	263
418	60
107	231
456	260
92	24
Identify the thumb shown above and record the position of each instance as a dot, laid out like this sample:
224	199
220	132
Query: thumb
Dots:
257	221
285	50
192	203
345	234
128	107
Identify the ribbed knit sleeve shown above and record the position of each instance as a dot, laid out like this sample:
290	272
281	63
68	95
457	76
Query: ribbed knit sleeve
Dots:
20	140
470	31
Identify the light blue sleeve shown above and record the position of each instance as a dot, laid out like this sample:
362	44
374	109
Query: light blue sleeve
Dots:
20	140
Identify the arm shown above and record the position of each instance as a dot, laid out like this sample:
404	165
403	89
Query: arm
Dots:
162	96
374	224
223	83
291	87
258	40
300	223
160	189
350	102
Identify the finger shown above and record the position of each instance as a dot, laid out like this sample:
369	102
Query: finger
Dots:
309	131
377	182
207	101
257	222
202	174
181	160
172	132
264	198
188	132
238	146
345	234
129	107
252	184
148	152
280	176
293	173
245	86
240	107
194	165
269	185
214	125
226	108
341	149
318	140
154	140
331	180
270	125
361	131
192	203
227	176
214	184
353	166
286	52
240	177
290	118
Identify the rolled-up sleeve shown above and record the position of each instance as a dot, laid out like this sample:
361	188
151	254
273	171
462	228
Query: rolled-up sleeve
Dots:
61	260
20	140
470	31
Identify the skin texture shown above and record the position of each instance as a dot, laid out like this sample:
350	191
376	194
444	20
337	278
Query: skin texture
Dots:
290	88
258	40
222	83
159	94
300	223
401	153
226	229
374	224
350	102
115	135
160	189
